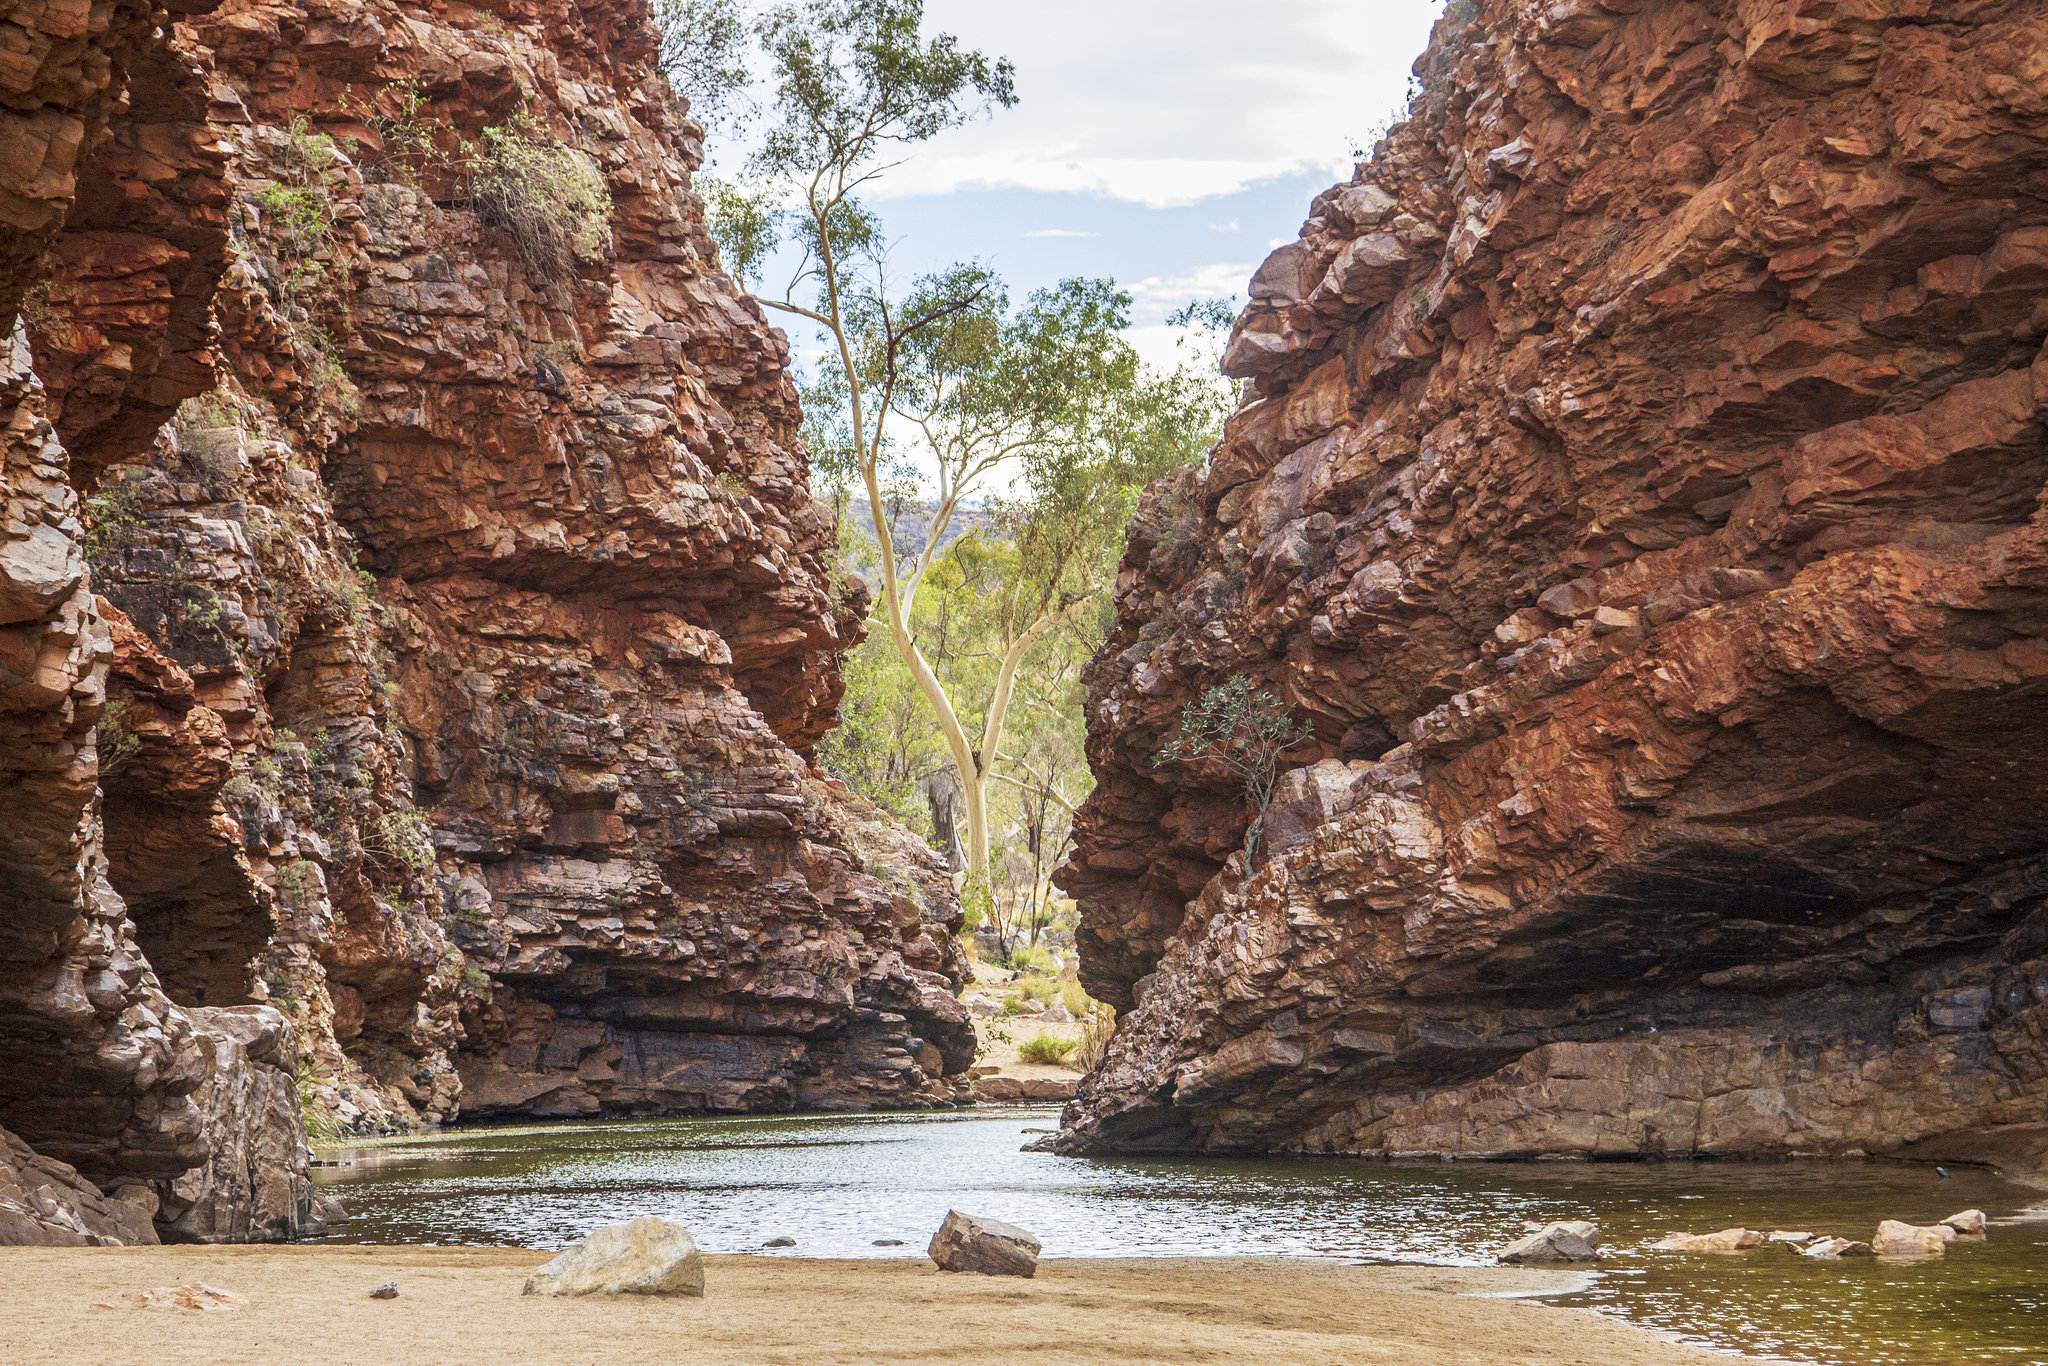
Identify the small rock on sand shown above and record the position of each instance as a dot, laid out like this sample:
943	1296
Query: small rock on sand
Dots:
1727	1240
386	1291
198	1297
967	1242
1970	1223
1569	1241
1896	1239
1834	1247
646	1257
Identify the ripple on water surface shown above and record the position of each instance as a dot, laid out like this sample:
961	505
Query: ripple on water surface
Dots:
838	1184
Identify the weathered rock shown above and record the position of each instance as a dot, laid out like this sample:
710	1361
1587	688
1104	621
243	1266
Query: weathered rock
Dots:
1569	1241
1654	546
967	1242
780	1242
45	1203
386	1291
1727	1240
1791	1236
1896	1239
1835	1247
648	1256
457	628
1971	1223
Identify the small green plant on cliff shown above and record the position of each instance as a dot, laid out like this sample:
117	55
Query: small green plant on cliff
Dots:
400	841
551	199
298	214
113	522
398	117
320	1125
1243	731
115	736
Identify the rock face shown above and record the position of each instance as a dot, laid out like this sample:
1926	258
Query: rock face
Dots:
1640	494
967	1242
413	625
648	1256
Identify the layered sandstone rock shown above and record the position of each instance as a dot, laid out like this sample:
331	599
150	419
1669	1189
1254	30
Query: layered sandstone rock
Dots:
378	586
1640	494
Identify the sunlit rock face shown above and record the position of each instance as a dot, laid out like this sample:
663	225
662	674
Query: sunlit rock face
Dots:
1641	495
431	697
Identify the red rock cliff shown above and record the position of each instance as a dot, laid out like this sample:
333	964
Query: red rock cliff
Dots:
1642	497
438	732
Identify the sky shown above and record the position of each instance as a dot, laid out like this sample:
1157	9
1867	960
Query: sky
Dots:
1167	144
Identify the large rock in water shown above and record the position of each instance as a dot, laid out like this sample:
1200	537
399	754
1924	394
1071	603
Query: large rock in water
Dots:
1897	1239
967	1242
1727	1240
648	1256
1640	498
1569	1241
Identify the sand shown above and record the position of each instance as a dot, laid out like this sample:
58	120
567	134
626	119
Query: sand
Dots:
994	983
310	1304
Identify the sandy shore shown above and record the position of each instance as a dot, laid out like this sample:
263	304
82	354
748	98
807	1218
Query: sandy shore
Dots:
462	1305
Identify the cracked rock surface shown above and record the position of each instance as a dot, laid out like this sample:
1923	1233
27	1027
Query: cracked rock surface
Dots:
1640	493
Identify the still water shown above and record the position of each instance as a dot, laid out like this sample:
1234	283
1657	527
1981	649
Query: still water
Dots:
837	1185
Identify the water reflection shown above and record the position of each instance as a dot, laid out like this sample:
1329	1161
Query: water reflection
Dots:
837	1185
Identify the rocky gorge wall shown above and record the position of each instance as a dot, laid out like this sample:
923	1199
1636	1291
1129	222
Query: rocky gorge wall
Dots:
1639	491
422	621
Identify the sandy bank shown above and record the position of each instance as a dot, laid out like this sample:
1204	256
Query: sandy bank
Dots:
460	1305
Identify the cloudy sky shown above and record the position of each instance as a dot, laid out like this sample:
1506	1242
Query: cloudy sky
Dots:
1168	144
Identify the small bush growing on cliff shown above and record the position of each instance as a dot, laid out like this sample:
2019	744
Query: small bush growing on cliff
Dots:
550	198
113	522
1242	730
116	738
400	841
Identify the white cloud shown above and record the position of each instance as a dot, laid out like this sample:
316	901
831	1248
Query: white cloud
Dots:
1231	226
1156	296
1059	232
1169	102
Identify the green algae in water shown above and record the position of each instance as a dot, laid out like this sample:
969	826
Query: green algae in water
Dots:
837	1184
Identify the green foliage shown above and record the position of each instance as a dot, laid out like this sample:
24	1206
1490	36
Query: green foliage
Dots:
478	983
320	1125
552	200
398	117
986	1039
400	841
1047	1050
113	520
885	743
1030	958
744	223
1243	731
298	214
115	737
703	50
